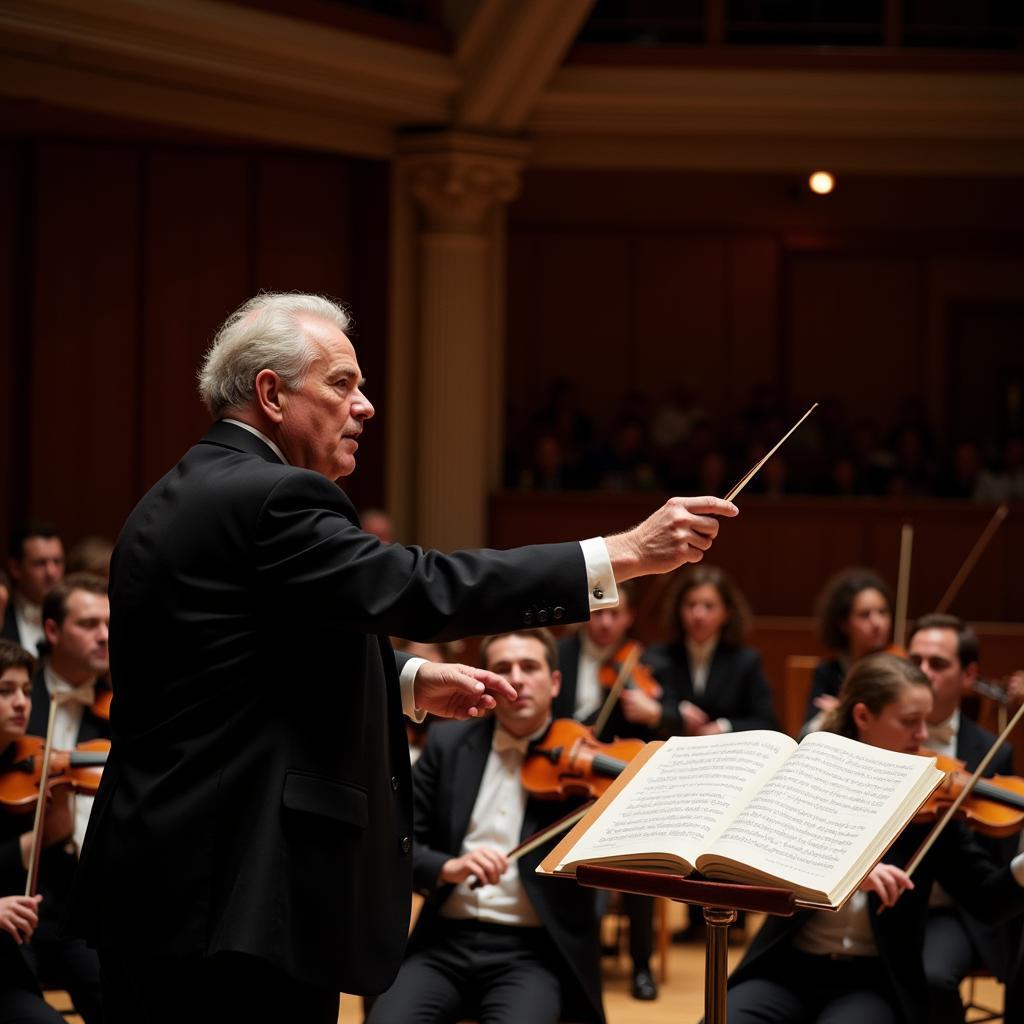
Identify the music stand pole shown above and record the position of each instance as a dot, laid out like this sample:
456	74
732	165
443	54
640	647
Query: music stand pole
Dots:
720	902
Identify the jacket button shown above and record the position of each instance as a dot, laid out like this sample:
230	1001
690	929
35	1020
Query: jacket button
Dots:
406	844
527	618
542	616
394	783
559	613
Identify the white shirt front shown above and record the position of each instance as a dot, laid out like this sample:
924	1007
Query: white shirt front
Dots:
29	619
590	694
497	822
65	733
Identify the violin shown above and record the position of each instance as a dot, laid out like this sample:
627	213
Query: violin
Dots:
80	768
570	762
640	677
994	807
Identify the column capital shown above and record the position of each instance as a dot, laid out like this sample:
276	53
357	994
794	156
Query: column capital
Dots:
457	178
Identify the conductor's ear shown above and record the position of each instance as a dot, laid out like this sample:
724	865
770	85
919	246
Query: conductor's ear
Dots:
269	395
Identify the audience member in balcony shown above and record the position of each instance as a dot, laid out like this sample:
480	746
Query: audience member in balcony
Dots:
628	463
854	619
913	475
36	563
963	472
1006	483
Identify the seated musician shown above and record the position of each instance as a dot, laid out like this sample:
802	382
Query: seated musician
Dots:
589	658
712	682
75	619
20	998
946	650
519	947
856	964
854	619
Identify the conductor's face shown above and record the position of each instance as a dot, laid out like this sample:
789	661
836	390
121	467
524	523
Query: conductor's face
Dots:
321	421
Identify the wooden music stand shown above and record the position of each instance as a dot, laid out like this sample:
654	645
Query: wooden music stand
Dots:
719	901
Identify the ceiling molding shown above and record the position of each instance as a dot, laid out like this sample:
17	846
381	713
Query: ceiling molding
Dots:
224	49
507	55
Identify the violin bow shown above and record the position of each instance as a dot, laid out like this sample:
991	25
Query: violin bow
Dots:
531	843
972	558
625	671
899	631
964	793
32	875
731	496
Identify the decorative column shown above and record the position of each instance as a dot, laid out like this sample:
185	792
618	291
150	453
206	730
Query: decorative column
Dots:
447	352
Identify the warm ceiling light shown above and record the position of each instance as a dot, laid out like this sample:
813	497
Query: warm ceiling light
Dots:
821	182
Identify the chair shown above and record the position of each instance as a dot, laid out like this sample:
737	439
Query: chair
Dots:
971	1003
620	944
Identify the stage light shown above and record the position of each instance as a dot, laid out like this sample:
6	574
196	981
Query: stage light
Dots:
821	182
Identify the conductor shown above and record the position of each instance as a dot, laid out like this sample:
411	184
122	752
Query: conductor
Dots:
248	855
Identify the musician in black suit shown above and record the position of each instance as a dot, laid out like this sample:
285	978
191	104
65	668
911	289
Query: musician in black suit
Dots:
711	682
520	947
857	965
946	649
597	648
35	560
20	999
247	853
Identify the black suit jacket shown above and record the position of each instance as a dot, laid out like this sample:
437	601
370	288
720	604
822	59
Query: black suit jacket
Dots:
957	863
995	943
446	780
10	627
564	704
736	687
231	817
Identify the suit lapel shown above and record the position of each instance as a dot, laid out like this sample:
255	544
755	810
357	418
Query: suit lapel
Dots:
468	770
40	715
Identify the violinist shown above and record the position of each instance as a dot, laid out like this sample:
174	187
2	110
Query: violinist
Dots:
36	563
857	964
946	650
854	619
519	947
76	622
591	660
21	918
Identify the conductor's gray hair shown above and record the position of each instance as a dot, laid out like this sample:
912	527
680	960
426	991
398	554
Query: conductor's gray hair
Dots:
264	333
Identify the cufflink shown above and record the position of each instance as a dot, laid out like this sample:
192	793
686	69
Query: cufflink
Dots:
598	594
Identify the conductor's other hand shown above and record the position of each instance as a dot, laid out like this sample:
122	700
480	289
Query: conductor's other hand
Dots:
679	532
483	863
458	691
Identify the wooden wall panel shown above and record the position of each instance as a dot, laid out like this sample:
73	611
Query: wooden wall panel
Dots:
197	271
855	325
302	228
83	427
782	552
11	428
678	290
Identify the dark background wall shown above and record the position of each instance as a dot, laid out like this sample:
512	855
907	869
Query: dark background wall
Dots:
117	262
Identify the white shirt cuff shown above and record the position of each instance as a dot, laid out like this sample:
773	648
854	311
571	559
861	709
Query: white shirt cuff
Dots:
600	581
407	679
1017	867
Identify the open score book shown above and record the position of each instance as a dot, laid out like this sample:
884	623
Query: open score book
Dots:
754	808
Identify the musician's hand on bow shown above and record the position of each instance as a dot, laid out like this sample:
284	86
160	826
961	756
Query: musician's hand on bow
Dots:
458	691
640	709
19	916
483	863
679	532
888	881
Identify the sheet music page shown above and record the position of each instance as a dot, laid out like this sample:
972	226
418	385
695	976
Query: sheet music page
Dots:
816	817
686	793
